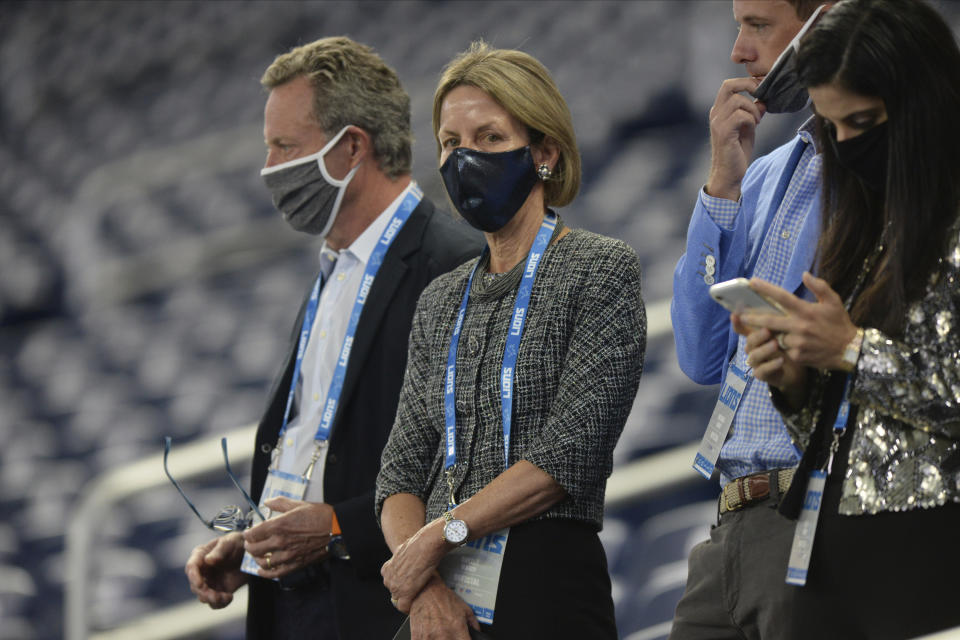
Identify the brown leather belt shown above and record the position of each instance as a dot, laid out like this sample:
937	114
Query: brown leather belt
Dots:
747	490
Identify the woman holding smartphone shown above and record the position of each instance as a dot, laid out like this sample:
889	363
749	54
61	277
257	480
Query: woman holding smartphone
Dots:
868	375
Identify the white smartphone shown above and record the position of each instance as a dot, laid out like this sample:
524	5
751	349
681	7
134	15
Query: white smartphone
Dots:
736	296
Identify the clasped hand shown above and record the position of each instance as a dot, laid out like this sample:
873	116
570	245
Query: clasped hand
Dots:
411	576
412	565
295	538
811	334
213	570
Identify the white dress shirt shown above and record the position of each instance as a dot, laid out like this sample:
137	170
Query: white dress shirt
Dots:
323	347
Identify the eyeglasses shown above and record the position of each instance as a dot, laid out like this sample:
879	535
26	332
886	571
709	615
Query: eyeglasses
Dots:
231	517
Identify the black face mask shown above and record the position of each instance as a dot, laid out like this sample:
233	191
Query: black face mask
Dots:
489	188
864	155
781	90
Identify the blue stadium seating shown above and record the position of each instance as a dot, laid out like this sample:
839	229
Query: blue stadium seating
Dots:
147	286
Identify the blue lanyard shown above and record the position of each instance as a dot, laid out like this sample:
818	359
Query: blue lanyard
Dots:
843	412
403	212
510	351
839	424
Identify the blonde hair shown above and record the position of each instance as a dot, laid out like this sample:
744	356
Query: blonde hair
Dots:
352	85
522	86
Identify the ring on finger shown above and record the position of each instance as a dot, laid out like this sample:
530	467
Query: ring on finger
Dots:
269	555
782	341
394	602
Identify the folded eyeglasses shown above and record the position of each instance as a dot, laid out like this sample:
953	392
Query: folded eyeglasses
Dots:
231	517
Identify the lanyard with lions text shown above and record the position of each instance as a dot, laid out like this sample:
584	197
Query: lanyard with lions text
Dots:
803	535
391	231
510	352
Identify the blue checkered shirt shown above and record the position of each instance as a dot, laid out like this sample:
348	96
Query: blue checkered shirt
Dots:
758	438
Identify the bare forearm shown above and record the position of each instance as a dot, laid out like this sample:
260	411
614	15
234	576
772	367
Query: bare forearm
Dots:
516	495
403	515
521	492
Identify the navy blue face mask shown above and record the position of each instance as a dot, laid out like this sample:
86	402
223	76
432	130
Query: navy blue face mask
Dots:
488	188
864	155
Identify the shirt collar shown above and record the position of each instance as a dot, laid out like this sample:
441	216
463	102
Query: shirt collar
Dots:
362	247
806	132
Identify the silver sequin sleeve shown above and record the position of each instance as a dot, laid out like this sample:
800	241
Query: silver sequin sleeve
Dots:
904	450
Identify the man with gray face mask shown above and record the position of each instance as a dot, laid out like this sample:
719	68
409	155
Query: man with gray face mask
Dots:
752	219
337	130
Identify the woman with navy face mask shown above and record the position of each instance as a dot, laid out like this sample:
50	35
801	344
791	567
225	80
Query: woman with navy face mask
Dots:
867	374
522	368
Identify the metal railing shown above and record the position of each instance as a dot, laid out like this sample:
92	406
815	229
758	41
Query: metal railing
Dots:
631	482
121	484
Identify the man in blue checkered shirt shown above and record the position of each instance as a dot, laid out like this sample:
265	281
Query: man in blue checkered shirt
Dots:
758	219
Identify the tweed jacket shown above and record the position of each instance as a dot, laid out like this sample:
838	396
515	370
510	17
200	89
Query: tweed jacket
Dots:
577	373
905	451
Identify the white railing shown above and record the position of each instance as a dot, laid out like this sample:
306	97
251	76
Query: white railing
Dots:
631	482
121	484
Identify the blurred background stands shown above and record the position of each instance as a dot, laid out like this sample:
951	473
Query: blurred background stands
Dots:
147	287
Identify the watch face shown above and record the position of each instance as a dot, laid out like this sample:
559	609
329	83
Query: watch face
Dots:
337	547
455	532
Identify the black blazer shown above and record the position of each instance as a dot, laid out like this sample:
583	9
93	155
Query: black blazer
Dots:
429	244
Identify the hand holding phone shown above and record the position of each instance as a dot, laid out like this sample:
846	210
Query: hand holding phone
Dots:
736	296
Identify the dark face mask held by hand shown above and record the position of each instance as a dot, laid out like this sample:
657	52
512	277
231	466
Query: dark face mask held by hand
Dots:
781	90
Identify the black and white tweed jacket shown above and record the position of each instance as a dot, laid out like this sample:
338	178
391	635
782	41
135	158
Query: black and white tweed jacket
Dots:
577	374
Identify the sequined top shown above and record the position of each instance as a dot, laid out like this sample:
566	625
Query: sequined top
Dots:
577	373
905	451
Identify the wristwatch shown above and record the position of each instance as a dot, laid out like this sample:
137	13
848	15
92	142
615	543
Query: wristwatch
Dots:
337	547
455	531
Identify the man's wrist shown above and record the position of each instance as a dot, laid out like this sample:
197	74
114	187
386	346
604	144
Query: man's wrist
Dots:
334	523
337	543
715	189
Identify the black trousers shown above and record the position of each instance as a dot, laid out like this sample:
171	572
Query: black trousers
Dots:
888	576
307	611
554	584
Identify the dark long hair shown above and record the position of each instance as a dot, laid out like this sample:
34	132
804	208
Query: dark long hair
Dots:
902	52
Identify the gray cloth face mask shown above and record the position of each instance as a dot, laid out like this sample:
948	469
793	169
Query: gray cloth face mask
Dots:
305	193
781	91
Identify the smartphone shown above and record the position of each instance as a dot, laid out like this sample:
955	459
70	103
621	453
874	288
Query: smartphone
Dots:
736	296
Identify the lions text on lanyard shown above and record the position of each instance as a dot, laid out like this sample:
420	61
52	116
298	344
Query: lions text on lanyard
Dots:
473	570
281	483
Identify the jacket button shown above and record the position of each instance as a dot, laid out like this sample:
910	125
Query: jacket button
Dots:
473	345
266	447
332	458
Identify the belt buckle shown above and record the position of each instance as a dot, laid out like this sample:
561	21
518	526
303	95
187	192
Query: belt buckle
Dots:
726	501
